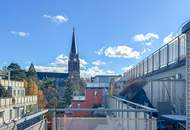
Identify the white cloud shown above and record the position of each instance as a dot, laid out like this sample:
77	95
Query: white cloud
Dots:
121	51
148	43
20	34
100	52
95	70
168	38
60	60
145	50
56	18
127	68
145	37
83	64
60	65
98	62
148	49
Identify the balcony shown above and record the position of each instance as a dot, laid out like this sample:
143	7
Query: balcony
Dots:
5	102
118	114
25	100
17	101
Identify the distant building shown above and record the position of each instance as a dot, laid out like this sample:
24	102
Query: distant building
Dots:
116	86
94	97
104	78
95	93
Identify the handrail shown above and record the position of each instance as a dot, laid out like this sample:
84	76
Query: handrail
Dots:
137	105
95	109
32	116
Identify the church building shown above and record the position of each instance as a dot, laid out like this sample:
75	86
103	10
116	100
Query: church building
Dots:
73	67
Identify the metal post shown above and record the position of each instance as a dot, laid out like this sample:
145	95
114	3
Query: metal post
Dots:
188	80
9	78
136	121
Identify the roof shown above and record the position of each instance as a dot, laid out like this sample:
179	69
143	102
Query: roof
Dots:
106	76
42	75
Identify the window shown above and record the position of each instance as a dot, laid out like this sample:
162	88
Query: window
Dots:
1	114
138	72
182	46
95	93
141	68
150	64
17	113
163	56
156	60
14	93
173	51
10	114
145	66
78	105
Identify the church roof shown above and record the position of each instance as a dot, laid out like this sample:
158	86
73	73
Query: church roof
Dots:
32	68
73	45
42	75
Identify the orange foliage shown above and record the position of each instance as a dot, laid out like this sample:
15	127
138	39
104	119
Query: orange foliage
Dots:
41	99
34	89
27	90
31	88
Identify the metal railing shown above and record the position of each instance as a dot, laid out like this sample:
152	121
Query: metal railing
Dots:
136	119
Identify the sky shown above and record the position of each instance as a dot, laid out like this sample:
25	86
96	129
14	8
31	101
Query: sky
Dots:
112	35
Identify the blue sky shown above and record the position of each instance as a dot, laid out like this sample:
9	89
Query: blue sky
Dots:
39	31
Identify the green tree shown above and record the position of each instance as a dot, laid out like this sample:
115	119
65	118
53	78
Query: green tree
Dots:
16	72
68	93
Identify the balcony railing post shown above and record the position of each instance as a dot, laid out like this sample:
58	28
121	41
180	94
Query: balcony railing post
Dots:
136	121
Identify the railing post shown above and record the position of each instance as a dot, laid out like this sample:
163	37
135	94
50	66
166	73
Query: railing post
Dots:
188	80
136	121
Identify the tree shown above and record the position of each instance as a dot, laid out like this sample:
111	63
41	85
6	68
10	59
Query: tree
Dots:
68	93
27	90
51	96
34	88
16	72
41	99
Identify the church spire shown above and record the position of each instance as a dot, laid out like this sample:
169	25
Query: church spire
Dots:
74	62
73	45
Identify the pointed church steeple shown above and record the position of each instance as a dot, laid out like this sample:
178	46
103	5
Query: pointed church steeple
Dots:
74	62
73	45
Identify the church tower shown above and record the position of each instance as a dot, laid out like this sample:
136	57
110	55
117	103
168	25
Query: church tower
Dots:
74	62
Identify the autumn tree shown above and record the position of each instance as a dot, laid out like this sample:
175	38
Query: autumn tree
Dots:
41	100
34	88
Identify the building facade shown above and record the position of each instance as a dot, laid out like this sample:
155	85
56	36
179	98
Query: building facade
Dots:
16	109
